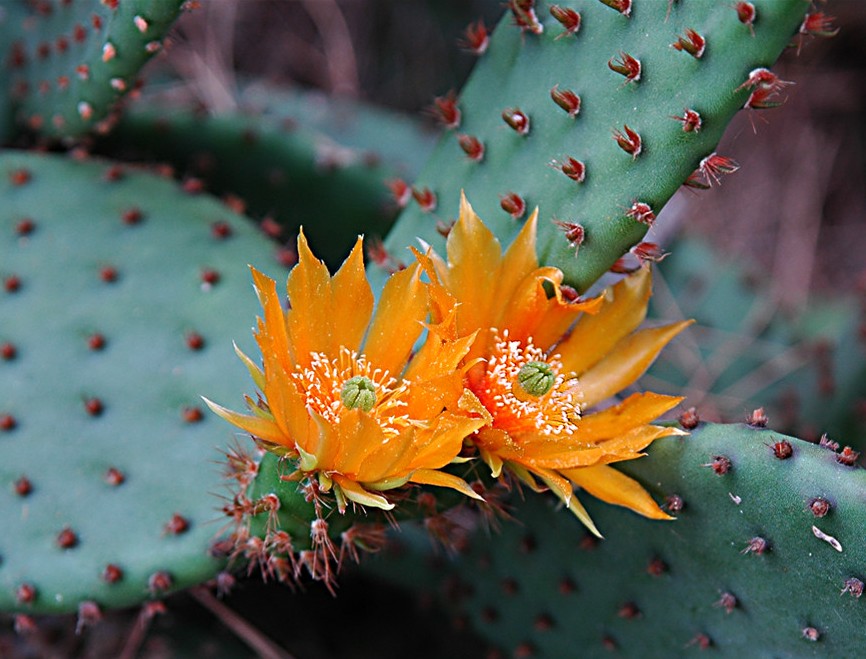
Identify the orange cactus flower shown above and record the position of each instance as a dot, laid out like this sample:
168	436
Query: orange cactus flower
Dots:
343	393
543	363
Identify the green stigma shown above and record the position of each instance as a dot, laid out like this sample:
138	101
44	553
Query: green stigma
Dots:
358	393
536	378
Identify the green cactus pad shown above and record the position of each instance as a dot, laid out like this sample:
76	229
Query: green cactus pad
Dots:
71	61
603	188
762	560
121	297
295	158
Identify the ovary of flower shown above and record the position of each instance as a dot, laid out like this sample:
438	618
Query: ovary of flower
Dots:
323	383
514	409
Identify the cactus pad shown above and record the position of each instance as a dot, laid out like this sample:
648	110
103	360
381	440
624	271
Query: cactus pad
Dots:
71	61
121	297
597	121
765	558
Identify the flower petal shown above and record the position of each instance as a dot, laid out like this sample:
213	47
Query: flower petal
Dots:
444	479
626	362
351	302
594	336
309	320
256	373
397	323
473	259
612	486
636	410
264	429
354	492
563	489
272	337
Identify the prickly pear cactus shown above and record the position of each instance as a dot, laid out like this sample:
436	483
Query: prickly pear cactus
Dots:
121	297
765	558
71	61
597	112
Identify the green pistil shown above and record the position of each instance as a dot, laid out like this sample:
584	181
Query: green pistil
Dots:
536	378
358	392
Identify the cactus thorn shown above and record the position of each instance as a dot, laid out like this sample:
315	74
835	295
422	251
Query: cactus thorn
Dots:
67	538
622	6
8	351
513	204
701	640
7	422
575	234
811	634
112	573
757	546
114	477
628	611
689	419
854	586
89	614
819	507
657	567
426	198
23	486
692	43
782	449
848	457
471	146
746	14
159	582
641	212
627	66
758	418
523	12
445	110
674	503
517	119
25	593
713	166
727	601
720	464
177	525
567	100
569	18
475	38
691	121
818	24
96	341
629	141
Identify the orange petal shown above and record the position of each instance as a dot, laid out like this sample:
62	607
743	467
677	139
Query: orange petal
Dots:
594	336
309	320
473	258
439	445
354	492
255	425
351	302
612	486
556	453
391	459
626	362
272	337
443	479
526	310
636	410
357	435
397	323
517	264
